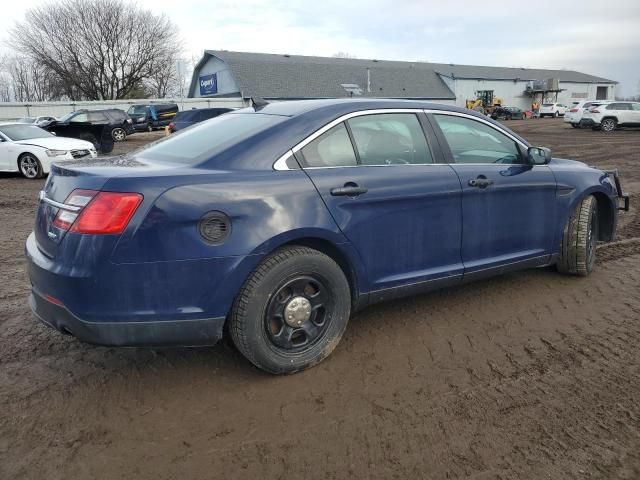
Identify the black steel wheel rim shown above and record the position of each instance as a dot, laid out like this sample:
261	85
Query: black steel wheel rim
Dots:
295	339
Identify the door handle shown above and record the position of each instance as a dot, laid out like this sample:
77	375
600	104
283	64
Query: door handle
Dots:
480	182
349	190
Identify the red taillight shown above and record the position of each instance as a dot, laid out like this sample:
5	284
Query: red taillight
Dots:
594	110
101	212
78	198
107	213
573	110
172	126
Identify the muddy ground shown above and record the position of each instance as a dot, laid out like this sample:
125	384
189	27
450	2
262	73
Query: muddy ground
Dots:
532	375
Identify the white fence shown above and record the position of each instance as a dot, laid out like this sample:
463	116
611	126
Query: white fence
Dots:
15	110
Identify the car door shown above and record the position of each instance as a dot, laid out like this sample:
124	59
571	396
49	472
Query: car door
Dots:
7	155
508	207
380	179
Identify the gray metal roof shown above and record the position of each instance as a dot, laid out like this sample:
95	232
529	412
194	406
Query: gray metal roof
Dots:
295	76
507	73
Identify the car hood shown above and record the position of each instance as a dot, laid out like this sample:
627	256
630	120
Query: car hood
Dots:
57	143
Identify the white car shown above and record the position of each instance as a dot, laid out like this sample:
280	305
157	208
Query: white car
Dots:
612	115
36	120
575	113
30	150
552	110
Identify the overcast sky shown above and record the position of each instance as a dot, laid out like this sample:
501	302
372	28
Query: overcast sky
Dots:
595	37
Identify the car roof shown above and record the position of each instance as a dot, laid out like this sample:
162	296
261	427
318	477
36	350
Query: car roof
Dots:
292	108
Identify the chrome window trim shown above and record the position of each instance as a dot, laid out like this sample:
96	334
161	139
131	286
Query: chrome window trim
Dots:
477	119
281	163
62	206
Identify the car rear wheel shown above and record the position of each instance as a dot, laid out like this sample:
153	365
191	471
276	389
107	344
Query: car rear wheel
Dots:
30	166
90	137
556	114
578	249
608	125
575	125
118	134
292	311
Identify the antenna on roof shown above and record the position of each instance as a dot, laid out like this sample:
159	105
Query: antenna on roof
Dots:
258	103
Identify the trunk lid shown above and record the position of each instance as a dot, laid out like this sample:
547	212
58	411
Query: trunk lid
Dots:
64	178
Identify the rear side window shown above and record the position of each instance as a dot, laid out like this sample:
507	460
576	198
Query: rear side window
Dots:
331	149
619	106
635	106
204	140
472	141
97	117
390	139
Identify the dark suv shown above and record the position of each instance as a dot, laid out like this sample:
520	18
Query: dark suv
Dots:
187	118
120	123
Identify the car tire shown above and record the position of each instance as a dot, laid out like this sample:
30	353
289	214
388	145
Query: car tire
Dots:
118	134
292	310
575	125
91	138
30	167
149	128
556	114
578	249
608	125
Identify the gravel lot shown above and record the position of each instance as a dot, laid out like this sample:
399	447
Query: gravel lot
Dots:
531	375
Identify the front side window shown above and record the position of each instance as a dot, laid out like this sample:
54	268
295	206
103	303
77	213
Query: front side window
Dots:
471	141
331	149
81	117
390	139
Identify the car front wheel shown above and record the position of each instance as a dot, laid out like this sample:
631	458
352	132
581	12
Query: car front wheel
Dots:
292	311
30	166
578	249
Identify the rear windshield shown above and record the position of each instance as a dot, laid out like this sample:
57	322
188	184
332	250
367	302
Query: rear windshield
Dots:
23	132
548	104
207	139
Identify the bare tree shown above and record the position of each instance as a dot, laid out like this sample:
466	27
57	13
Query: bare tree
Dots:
98	49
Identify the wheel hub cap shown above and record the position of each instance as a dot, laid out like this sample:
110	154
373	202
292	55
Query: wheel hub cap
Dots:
297	311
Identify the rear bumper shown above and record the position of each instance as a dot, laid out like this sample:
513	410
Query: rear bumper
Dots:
199	332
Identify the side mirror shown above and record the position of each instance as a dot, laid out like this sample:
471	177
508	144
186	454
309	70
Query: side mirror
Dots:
538	155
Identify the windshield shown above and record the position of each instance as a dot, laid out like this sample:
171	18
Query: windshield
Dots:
204	140
23	132
137	109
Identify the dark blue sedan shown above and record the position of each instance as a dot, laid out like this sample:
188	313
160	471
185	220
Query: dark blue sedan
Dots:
277	222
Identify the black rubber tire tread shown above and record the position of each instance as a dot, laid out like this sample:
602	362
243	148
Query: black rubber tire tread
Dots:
574	250
245	322
91	138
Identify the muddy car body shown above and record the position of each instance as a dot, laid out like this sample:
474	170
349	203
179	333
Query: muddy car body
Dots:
280	221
